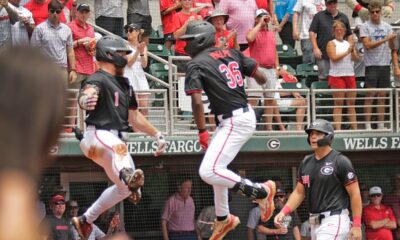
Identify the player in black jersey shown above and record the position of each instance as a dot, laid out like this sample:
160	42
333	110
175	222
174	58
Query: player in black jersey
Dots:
219	72
328	180
111	106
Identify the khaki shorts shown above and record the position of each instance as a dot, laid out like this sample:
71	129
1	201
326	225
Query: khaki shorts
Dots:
272	80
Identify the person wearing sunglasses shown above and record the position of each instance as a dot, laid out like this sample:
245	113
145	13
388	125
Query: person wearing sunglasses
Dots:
378	218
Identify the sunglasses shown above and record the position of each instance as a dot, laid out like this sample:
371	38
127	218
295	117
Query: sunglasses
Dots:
130	30
376	11
375	195
58	11
280	196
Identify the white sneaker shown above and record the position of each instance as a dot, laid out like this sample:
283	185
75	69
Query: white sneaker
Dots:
368	127
381	126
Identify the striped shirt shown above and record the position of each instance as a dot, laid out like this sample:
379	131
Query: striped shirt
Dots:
53	40
19	33
5	28
179	213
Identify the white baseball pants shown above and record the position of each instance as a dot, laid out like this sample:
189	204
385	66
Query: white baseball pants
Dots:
332	227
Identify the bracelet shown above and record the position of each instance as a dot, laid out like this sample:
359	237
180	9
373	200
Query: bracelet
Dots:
358	8
286	210
356	221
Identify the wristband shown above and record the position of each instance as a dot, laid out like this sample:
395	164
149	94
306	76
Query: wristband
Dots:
358	8
286	210
356	221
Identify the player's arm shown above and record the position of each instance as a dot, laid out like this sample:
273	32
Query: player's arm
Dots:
142	124
356	208
198	110
294	201
88	96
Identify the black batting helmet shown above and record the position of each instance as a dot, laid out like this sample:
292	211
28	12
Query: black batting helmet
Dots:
200	35
107	48
321	125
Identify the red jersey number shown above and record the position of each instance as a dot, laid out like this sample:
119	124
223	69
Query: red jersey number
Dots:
233	74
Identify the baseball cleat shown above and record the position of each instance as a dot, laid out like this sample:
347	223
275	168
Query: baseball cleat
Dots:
134	179
82	227
267	204
221	228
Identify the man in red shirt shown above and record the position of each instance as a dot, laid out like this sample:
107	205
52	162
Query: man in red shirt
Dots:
39	11
168	10
378	218
84	44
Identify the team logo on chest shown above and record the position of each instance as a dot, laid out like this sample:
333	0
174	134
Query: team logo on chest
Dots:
327	170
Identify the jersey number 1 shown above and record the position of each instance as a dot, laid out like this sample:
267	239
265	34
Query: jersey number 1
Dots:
232	73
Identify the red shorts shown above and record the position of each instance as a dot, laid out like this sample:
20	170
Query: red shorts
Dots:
342	82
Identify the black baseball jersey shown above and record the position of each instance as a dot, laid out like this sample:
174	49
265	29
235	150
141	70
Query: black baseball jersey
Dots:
220	73
324	181
116	97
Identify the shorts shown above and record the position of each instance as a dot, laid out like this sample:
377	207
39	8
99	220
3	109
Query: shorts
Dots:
272	80
306	49
284	103
144	21
342	82
377	77
323	69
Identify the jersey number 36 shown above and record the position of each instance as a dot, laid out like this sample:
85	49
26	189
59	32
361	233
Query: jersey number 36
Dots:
232	73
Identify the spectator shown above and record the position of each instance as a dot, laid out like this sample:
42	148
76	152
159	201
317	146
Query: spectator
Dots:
341	55
139	13
252	223
290	226
21	30
262	49
378	40
72	211
292	100
115	225
378	218
84	44
24	72
393	201
55	226
305	230
137	61
321	33
204	222
181	20
55	39
206	7
396	60
364	194
359	65
168	10
40	13
305	9
178	220
223	38
8	17
109	15
241	18
284	14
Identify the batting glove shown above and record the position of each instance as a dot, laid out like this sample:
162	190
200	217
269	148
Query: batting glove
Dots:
203	139
160	143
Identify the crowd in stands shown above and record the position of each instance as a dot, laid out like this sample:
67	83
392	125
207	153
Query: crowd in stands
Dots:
60	29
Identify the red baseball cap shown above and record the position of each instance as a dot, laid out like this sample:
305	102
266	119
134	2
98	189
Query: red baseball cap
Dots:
57	199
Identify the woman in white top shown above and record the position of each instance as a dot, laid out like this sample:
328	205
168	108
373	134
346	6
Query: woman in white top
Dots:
341	75
137	60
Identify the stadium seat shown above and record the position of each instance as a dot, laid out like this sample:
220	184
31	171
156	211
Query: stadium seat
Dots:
307	72
323	106
286	51
159	70
159	50
157	36
289	69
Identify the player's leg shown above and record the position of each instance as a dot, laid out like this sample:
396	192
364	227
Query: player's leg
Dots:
334	227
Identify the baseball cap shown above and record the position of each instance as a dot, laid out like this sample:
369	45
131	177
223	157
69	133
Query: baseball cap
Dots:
134	26
83	7
261	12
375	190
57	199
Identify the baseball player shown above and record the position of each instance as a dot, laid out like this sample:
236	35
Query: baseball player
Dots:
219	72
329	181
111	106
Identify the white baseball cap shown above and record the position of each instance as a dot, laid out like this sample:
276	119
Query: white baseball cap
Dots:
261	12
375	190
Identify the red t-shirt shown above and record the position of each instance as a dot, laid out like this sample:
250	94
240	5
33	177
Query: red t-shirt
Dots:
40	11
179	20
264	4
84	61
205	11
370	213
263	48
221	37
167	20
